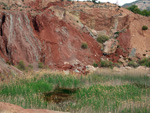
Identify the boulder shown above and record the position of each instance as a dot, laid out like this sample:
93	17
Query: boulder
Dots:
66	72
123	61
90	68
110	46
19	2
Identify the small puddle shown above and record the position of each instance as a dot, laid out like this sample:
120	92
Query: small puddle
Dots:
60	95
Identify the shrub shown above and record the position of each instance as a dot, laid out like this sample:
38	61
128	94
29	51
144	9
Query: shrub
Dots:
102	38
118	64
95	64
117	33
144	27
30	66
144	62
84	46
40	65
21	66
106	63
133	64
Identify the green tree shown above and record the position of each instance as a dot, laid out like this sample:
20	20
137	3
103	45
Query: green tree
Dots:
145	13
134	9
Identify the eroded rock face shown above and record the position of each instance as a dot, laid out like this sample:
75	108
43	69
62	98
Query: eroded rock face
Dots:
8	69
62	41
44	38
18	41
53	32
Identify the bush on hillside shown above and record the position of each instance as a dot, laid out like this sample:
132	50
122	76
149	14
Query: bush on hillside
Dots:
84	45
106	63
136	10
133	64
117	33
144	62
144	27
40	65
21	66
95	64
102	38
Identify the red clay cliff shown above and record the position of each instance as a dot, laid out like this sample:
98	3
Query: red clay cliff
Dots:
52	32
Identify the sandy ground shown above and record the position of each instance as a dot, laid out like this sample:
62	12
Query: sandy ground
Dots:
9	108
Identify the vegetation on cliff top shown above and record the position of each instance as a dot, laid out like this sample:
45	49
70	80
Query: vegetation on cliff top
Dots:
136	10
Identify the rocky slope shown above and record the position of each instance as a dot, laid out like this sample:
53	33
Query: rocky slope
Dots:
142	4
52	32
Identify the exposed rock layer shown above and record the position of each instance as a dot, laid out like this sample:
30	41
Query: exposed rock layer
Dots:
53	32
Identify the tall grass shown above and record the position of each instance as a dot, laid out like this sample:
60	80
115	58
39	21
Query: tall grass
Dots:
92	96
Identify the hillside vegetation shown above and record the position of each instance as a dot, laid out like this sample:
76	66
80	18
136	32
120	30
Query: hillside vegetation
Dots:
136	10
142	4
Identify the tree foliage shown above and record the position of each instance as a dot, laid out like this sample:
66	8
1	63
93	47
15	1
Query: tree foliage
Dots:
136	10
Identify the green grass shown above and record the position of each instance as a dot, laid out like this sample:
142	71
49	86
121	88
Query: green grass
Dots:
108	98
94	95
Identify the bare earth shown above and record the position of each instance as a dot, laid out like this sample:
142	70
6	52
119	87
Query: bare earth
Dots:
9	108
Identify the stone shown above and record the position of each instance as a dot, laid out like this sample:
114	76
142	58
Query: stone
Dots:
123	61
128	68
90	68
18	2
66	62
133	52
110	46
76	71
66	72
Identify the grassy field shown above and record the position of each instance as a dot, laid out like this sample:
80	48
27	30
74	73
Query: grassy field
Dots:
95	93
